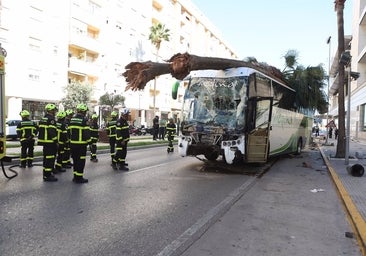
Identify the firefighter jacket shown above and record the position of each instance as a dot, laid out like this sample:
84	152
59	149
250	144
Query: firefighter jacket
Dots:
27	130
62	135
47	131
122	130
94	131
171	129
79	130
111	128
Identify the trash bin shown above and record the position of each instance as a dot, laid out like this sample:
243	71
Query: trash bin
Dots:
356	170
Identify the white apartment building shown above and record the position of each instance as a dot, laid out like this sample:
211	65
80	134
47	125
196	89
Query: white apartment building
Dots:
356	43
51	42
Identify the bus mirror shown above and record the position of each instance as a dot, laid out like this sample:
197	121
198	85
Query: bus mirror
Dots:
175	90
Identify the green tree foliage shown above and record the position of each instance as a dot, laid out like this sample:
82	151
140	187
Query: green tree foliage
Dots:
158	33
76	93
111	100
309	84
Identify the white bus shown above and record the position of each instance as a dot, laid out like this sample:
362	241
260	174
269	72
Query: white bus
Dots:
242	115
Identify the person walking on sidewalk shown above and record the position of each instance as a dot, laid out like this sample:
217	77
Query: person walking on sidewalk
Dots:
155	127
111	132
79	133
162	129
62	139
26	131
47	137
94	134
122	138
171	131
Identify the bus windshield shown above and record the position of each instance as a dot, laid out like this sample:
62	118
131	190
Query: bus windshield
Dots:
213	101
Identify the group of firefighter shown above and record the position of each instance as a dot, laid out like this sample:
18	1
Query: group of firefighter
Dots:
66	135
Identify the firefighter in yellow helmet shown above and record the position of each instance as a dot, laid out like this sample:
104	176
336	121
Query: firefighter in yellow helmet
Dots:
111	132
79	132
62	138
122	138
47	137
67	162
94	134
26	131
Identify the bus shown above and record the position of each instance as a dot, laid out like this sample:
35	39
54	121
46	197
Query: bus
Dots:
242	115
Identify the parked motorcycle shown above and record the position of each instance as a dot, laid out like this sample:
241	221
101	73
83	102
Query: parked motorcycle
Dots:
137	131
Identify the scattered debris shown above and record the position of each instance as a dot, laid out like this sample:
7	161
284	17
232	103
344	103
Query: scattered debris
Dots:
349	234
306	165
317	190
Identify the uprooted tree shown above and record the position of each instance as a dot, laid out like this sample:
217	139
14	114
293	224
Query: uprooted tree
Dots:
137	74
310	79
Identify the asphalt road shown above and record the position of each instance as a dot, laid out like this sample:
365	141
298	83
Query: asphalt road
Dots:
139	212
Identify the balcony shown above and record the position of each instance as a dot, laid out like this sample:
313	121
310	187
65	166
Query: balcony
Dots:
85	42
82	67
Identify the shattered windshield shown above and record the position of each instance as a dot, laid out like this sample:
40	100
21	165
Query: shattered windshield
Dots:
216	102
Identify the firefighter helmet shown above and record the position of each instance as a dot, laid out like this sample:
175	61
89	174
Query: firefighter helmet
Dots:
50	107
94	116
61	114
24	113
81	107
69	112
125	111
114	114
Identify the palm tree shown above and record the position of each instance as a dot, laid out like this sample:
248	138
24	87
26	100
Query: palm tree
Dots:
341	143
158	33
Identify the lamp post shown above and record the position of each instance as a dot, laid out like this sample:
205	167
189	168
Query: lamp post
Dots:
329	43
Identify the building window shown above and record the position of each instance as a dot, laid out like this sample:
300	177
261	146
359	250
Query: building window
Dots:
362	117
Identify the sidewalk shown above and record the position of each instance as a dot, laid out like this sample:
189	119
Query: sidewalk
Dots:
352	189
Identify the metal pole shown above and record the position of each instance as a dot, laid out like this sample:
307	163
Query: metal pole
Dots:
329	43
348	115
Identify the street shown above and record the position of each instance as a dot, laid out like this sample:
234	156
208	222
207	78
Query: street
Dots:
117	213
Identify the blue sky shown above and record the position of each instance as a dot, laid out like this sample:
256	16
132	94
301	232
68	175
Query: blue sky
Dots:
267	29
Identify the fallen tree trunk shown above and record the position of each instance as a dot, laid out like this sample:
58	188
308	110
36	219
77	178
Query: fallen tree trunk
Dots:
137	74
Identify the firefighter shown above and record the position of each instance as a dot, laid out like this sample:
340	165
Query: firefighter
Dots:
62	138
94	134
26	131
79	134
171	130
47	137
122	138
67	161
111	132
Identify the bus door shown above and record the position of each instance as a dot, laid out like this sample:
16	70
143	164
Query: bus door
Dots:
258	129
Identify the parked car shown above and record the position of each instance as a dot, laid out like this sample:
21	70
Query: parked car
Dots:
11	129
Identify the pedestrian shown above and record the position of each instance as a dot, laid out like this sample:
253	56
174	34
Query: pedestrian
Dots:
111	132
155	127
330	132
79	133
26	131
162	129
67	155
336	133
122	138
171	131
47	137
316	131
62	139
94	136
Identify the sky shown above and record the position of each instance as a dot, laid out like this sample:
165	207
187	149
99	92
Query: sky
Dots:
267	29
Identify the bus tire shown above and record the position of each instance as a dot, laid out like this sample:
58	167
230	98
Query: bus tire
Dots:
212	156
298	147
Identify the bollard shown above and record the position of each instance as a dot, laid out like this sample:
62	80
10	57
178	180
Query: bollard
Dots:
356	170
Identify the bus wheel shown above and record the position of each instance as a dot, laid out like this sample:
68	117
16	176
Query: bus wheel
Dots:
299	147
212	156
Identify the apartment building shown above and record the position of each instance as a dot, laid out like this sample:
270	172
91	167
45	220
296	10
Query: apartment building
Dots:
51	43
355	101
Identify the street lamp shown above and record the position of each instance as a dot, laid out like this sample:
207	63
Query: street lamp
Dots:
329	43
346	61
